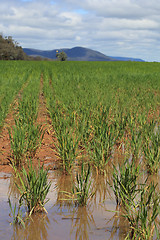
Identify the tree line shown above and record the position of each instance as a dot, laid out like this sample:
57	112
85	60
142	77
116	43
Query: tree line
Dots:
10	49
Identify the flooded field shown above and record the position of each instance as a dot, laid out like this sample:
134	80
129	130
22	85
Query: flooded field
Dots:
64	220
94	131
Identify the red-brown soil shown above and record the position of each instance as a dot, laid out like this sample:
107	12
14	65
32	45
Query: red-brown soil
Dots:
5	148
46	153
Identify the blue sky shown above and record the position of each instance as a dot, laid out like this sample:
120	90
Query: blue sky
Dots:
129	28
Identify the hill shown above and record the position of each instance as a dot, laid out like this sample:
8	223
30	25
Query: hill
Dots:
73	54
128	59
76	54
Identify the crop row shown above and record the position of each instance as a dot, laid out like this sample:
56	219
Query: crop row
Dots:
95	112
98	111
13	76
26	134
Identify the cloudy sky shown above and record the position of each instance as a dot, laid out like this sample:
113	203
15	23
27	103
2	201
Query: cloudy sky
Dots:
128	28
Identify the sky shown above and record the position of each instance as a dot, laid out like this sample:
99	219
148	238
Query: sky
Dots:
126	28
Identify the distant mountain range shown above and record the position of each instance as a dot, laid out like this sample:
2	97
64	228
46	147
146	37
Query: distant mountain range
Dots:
77	54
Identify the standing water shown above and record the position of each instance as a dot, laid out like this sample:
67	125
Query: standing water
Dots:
96	221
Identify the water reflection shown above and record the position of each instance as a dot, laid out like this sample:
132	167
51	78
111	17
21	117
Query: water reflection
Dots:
101	187
63	186
82	221
119	226
35	228
69	221
13	191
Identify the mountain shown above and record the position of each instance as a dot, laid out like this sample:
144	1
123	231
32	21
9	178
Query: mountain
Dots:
127	59
76	54
73	54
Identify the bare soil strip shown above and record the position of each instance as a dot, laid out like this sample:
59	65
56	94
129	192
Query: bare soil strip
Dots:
46	153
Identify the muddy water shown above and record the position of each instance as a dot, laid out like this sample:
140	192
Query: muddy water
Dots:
64	220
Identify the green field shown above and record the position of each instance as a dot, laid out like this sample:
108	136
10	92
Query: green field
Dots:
98	110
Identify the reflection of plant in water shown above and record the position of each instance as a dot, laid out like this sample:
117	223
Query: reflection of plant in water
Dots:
101	186
16	214
64	184
35	228
12	189
82	219
119	226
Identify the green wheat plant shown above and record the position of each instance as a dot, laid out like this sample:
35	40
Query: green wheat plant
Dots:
27	110
142	214
26	136
135	138
120	122
18	142
67	143
151	150
125	184
25	139
33	188
82	188
101	145
34	137
136	144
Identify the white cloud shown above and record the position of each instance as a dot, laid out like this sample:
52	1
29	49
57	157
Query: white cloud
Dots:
114	27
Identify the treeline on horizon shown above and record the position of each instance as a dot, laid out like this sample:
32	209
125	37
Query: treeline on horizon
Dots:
10	50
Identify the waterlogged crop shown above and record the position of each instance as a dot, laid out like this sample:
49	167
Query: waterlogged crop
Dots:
102	113
125	185
82	187
142	214
33	188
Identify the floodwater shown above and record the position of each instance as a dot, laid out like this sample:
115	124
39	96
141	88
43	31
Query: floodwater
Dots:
64	220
